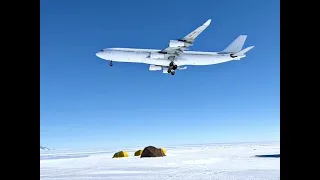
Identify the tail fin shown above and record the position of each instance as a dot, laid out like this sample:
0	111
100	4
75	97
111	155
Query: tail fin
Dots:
236	45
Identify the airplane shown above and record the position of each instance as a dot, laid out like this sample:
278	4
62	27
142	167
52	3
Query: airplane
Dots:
176	55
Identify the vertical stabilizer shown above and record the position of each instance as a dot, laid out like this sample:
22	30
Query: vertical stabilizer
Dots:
236	45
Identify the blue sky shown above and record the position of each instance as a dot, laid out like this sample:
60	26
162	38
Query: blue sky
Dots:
86	104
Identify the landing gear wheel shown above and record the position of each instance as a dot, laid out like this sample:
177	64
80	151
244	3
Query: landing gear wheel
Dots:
111	64
173	72
171	64
169	71
174	67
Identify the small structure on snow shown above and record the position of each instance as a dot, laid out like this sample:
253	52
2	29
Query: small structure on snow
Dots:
152	151
120	154
138	153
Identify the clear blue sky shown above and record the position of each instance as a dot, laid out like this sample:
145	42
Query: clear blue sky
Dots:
87	104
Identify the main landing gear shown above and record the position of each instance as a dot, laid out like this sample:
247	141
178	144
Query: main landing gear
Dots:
171	71
111	64
172	68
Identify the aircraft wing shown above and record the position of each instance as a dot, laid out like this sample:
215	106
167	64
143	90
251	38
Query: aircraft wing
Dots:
178	46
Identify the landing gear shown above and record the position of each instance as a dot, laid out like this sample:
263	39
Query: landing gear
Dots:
174	67
111	64
172	72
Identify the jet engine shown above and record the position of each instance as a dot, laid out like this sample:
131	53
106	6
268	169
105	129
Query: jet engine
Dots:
237	57
233	56
177	44
155	68
157	56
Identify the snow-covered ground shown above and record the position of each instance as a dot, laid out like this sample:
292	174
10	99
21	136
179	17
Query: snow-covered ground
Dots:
192	162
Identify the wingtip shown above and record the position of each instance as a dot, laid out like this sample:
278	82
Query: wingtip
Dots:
207	23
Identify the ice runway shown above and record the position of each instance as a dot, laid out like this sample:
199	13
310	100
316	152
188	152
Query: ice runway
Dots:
245	161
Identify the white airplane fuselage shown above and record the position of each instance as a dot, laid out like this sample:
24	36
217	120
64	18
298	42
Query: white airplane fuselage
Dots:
153	57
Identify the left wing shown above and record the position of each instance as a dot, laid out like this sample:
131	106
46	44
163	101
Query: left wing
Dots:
178	46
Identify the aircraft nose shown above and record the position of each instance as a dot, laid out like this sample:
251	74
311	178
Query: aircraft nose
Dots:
99	54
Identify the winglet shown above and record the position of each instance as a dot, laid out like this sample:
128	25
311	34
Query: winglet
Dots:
207	23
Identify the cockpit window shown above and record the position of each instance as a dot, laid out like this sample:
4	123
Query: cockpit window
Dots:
101	50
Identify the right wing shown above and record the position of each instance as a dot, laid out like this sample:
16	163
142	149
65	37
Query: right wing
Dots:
178	46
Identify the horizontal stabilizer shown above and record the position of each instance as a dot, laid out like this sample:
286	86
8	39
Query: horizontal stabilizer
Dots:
242	52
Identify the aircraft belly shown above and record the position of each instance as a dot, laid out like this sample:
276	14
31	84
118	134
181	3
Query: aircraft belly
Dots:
201	60
195	60
159	62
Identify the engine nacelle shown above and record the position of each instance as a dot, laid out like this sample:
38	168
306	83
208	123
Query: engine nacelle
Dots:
165	70
236	57
155	68
233	56
177	44
157	56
